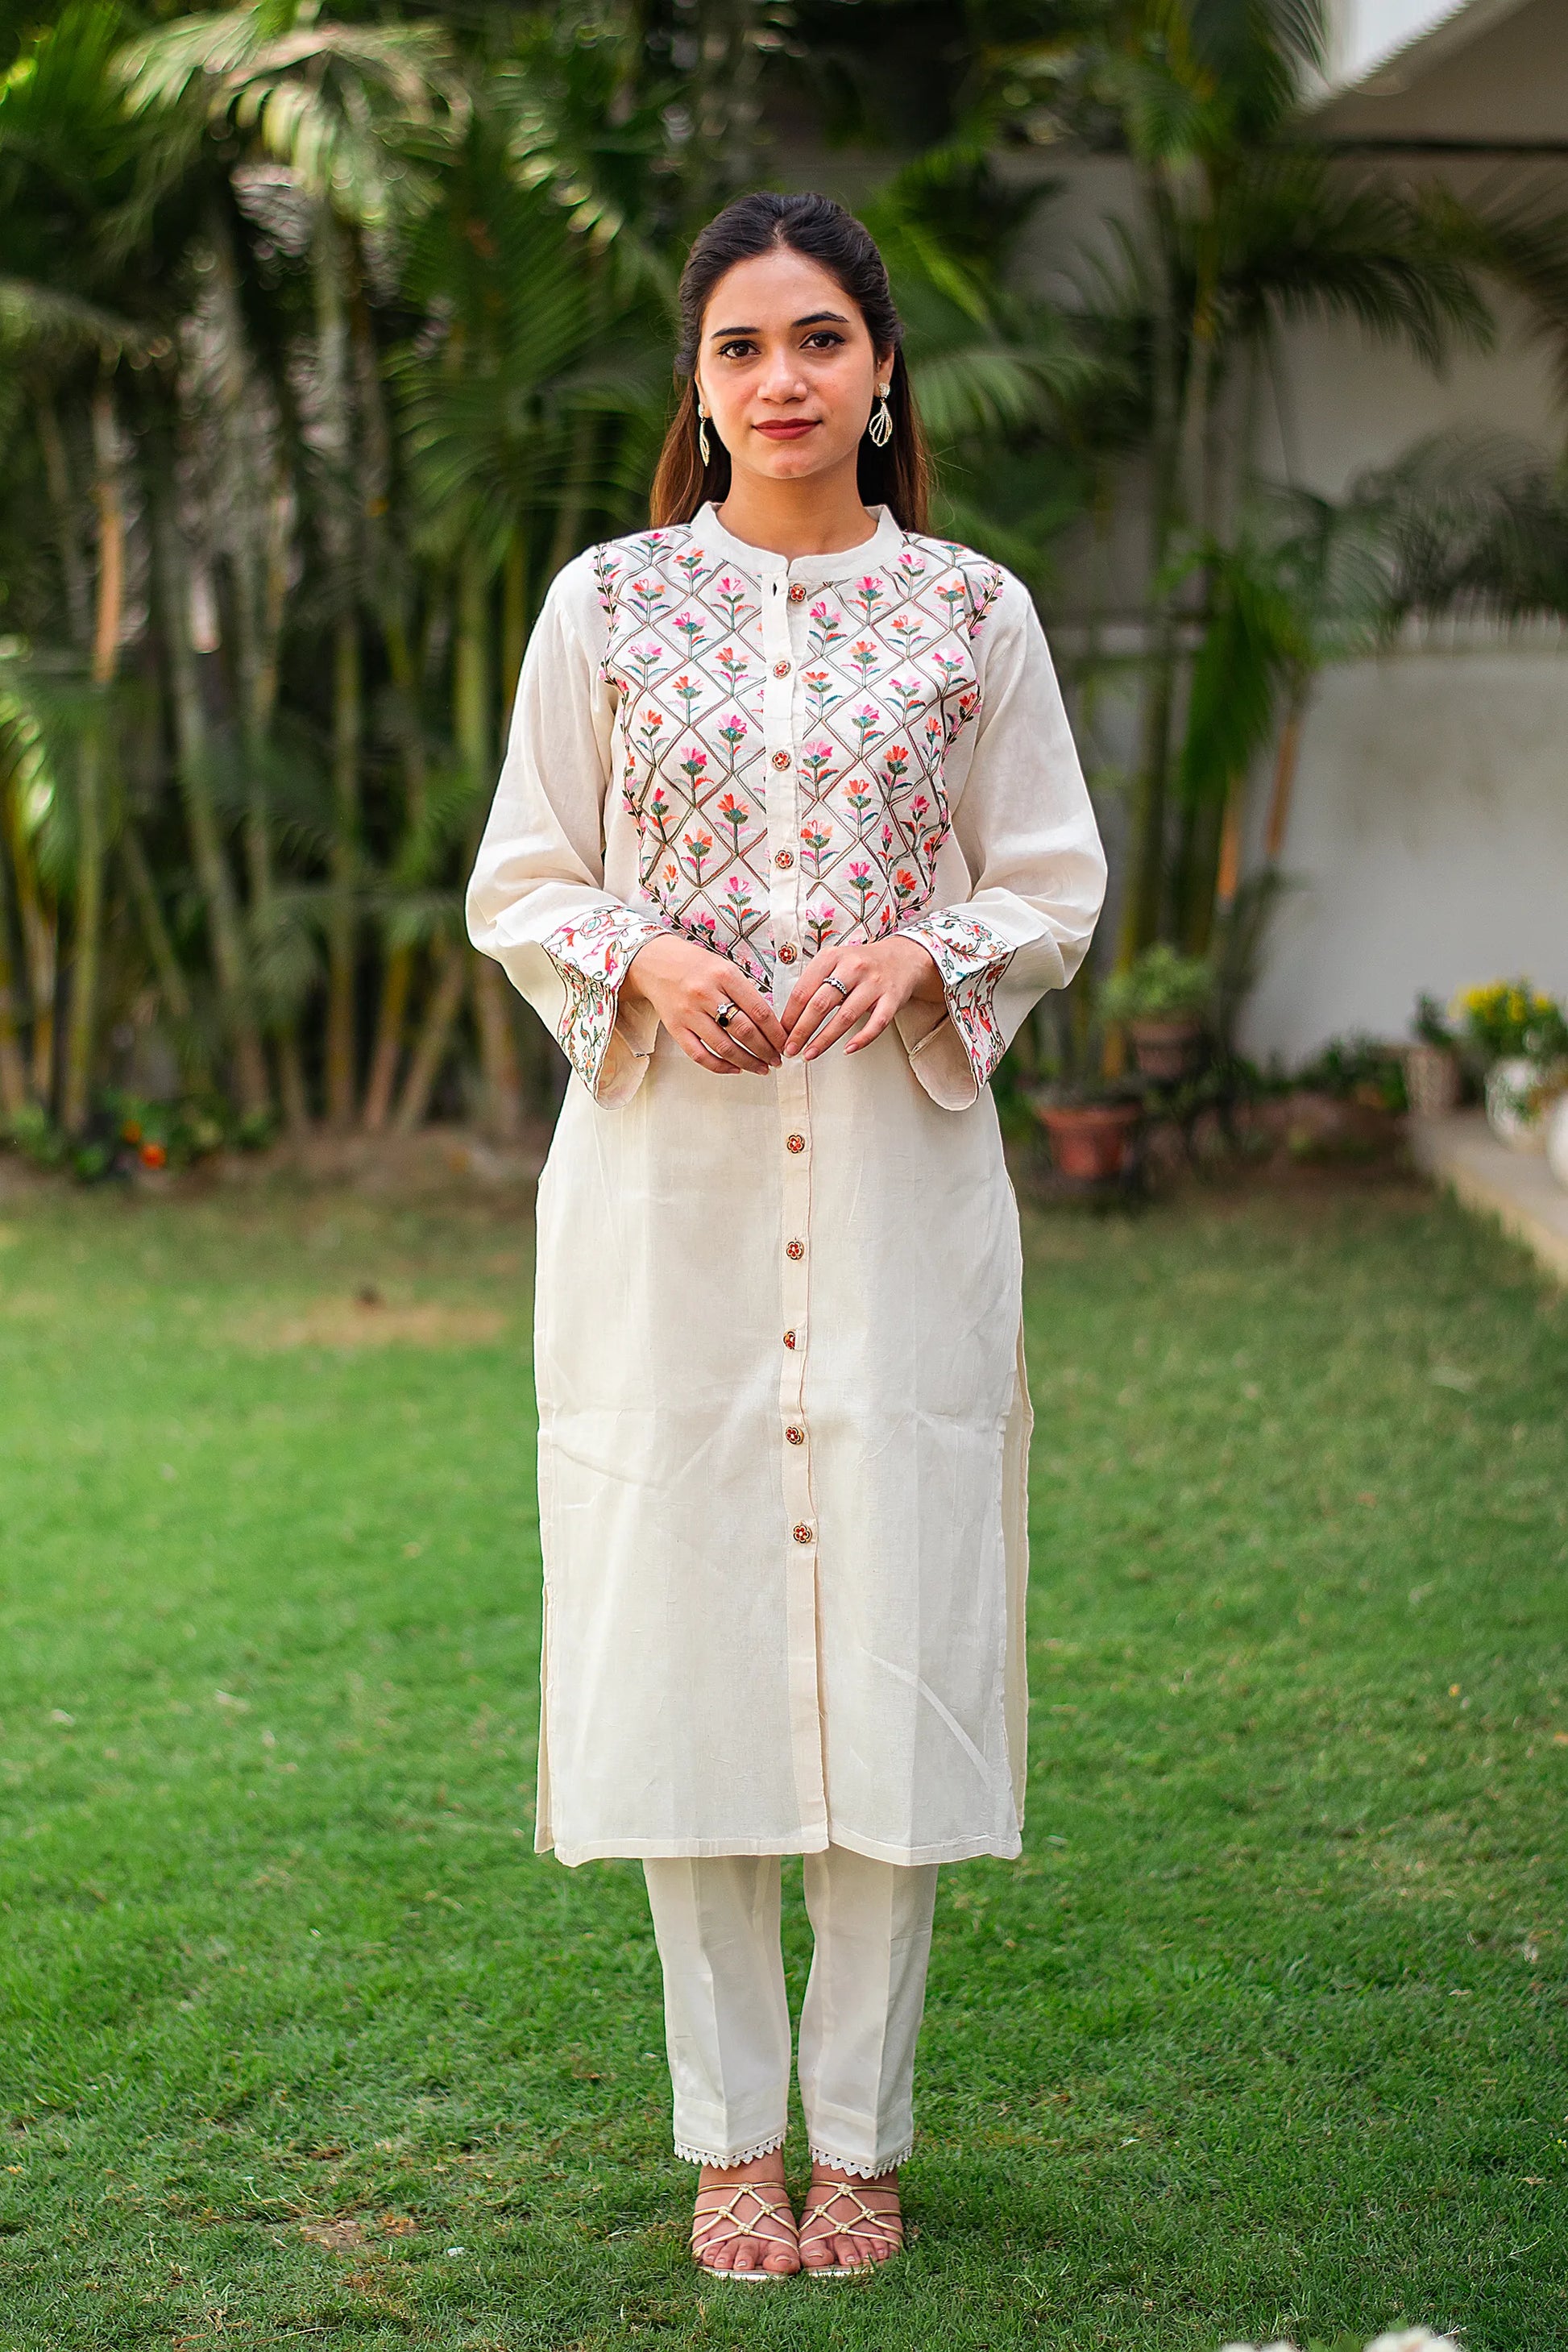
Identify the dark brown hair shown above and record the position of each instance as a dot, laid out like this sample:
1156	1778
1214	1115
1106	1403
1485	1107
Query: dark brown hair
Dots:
898	476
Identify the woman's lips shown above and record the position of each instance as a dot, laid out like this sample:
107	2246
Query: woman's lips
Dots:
790	432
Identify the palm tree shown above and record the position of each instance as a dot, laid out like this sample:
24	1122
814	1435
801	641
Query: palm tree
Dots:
341	108
1244	227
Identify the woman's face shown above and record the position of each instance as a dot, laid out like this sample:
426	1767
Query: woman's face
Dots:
786	367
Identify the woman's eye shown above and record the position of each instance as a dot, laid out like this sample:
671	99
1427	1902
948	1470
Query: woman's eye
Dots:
824	339
735	350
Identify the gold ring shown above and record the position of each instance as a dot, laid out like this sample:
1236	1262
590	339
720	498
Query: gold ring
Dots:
726	1013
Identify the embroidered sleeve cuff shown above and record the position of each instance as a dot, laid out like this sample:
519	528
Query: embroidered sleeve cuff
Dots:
954	1057
608	1047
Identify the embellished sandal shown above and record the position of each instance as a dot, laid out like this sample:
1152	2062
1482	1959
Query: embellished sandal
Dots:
823	2216
722	2224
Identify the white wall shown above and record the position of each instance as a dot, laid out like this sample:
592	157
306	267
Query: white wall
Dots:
1429	835
1428	843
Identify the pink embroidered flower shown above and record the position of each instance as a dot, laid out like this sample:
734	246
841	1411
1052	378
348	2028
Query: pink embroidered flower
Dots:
817	759
735	814
699	847
815	838
658	807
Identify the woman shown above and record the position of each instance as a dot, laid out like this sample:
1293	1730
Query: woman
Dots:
790	837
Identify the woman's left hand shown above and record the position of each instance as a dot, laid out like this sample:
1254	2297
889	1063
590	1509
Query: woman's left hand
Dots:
873	980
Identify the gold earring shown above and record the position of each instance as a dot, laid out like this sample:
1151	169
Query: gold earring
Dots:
702	433
880	428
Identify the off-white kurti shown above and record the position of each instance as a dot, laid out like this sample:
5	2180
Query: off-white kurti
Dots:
783	1425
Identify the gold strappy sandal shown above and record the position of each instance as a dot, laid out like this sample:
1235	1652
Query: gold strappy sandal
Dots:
721	2225
822	2218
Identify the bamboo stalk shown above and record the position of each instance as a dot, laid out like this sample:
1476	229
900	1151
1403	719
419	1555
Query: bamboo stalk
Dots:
40	936
473	691
435	1035
391	1012
201	816
76	1085
342	923
173	986
14	1095
498	1050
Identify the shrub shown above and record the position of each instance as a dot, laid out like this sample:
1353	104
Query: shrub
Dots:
1160	985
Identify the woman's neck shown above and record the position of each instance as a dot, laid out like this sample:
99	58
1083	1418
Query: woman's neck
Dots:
819	517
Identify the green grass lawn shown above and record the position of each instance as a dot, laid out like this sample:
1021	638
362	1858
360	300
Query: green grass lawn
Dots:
300	2043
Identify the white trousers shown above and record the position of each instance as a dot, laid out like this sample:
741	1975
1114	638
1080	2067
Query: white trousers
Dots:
716	1921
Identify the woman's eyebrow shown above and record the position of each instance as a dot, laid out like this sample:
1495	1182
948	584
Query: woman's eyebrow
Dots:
813	319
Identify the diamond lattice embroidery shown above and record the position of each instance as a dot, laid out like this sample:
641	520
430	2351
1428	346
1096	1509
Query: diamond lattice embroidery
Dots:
888	683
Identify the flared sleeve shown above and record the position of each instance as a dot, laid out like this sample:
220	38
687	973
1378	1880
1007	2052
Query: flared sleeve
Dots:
536	899
1024	829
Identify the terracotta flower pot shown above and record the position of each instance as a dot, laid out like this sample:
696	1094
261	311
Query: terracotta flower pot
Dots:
1431	1080
1166	1050
1090	1141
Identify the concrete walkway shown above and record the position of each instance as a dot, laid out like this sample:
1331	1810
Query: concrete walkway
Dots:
1515	1187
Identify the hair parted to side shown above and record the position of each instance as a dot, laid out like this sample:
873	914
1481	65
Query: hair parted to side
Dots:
898	476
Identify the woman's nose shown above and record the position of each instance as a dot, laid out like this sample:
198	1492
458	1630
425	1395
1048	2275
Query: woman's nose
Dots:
782	379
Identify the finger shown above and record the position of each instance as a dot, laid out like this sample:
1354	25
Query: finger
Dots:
814	977
814	1007
719	1042
696	1049
814	1010
850	1014
751	1001
743	1032
875	1021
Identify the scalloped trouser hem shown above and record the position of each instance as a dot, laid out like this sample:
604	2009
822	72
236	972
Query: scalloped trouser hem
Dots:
727	2026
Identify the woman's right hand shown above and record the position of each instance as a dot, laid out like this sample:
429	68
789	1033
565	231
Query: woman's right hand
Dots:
686	986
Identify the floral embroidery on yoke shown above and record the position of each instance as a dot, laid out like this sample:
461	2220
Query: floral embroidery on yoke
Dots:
887	684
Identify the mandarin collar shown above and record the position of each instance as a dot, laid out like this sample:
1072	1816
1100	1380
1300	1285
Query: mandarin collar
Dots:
881	549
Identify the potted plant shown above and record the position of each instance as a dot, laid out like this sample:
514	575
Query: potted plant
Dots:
1090	1127
1432	1077
1163	1000
1521	1037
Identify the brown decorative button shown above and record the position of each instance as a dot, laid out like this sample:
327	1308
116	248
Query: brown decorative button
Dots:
794	1249
795	1143
803	1534
783	859
789	1338
781	669
787	952
795	1434
797	594
780	759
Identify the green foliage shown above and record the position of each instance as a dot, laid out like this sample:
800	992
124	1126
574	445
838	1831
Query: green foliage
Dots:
1160	985
1260	2040
1512	1016
1430	1022
1357	1068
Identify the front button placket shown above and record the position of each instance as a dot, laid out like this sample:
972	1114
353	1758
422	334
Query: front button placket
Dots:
782	604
